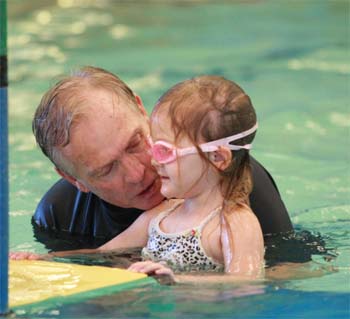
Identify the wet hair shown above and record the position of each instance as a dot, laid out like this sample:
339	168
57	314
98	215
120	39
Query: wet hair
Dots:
207	108
64	105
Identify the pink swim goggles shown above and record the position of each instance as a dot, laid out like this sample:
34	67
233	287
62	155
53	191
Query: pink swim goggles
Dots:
165	153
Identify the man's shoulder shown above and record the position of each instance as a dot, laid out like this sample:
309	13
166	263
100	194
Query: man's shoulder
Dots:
266	201
66	209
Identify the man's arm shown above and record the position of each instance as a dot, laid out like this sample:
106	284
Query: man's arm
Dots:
133	237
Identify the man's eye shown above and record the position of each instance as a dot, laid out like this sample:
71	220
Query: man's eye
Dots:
134	147
106	170
137	145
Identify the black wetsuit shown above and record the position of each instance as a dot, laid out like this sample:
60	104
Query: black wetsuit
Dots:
69	219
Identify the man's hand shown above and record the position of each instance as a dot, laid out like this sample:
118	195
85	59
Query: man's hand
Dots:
23	255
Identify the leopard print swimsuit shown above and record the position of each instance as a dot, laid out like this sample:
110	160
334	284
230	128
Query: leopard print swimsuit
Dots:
183	251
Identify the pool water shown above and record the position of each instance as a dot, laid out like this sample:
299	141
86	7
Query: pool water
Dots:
292	57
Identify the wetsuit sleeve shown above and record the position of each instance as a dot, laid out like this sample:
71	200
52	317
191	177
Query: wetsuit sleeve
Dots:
67	218
54	211
267	203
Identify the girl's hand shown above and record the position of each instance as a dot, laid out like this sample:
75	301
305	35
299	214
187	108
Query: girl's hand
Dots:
22	255
158	270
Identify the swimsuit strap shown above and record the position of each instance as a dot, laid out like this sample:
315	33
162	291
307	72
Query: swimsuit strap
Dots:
198	228
211	215
156	221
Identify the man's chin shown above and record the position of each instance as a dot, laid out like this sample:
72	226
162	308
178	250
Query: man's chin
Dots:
149	203
145	200
150	197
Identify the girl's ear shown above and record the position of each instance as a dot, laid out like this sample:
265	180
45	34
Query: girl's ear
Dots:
221	158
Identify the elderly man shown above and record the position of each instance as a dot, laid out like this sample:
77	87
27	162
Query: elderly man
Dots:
94	130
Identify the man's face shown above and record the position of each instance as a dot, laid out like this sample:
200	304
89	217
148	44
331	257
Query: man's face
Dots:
110	153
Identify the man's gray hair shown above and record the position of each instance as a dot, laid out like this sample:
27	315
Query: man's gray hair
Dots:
64	104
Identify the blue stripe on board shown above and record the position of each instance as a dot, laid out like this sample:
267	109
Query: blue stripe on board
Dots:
4	207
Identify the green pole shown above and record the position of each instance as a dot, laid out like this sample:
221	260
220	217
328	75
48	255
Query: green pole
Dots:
4	225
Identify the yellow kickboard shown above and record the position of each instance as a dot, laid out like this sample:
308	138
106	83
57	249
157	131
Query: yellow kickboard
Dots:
32	281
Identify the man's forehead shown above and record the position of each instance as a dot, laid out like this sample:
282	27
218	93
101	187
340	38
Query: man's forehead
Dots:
103	101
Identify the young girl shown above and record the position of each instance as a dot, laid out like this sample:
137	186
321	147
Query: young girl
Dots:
201	130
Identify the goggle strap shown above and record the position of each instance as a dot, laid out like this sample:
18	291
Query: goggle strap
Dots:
210	146
213	148
239	147
186	151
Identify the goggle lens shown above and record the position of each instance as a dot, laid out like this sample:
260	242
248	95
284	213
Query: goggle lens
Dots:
162	153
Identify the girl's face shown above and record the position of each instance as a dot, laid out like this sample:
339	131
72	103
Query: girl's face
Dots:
187	176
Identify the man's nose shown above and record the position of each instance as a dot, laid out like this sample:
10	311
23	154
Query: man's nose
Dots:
134	170
154	163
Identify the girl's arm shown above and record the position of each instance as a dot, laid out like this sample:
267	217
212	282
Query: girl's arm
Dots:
246	257
136	235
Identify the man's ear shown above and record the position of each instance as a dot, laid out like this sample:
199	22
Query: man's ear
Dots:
221	158
140	106
72	180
